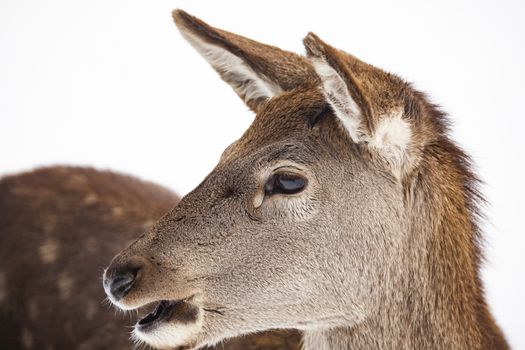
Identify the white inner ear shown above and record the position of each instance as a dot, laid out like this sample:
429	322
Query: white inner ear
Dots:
336	93
242	78
391	137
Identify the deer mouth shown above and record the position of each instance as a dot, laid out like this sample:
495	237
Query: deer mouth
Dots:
171	324
162	311
173	311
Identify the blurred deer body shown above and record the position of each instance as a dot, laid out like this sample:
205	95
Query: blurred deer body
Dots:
344	211
58	228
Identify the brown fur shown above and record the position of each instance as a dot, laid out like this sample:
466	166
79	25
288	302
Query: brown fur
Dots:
58	227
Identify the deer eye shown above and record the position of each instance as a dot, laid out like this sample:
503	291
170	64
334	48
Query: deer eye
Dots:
285	183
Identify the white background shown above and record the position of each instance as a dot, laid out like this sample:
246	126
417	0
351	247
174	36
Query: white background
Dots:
111	83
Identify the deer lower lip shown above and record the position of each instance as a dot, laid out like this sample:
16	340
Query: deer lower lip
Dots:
162	312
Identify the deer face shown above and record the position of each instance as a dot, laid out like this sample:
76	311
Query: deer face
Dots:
298	223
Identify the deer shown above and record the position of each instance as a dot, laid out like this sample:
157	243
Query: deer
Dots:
59	226
345	211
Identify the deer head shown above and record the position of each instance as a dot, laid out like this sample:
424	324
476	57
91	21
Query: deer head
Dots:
304	221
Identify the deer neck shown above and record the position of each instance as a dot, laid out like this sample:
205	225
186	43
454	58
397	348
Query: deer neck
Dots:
437	301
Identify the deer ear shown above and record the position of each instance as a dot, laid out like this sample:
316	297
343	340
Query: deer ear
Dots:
340	88
386	137
257	72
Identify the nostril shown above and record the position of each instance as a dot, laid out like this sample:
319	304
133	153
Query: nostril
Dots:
122	283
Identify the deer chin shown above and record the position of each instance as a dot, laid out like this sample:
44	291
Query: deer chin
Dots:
172	324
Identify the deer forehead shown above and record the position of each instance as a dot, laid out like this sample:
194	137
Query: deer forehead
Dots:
282	120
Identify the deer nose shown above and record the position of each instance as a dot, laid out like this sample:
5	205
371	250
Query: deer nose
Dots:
119	280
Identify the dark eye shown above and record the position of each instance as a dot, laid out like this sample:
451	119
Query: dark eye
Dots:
285	184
